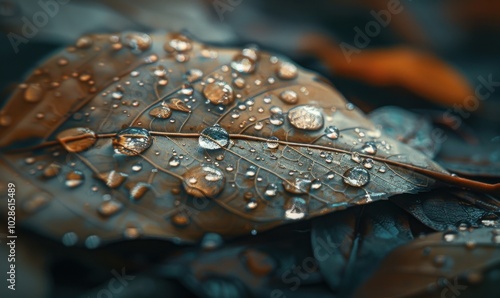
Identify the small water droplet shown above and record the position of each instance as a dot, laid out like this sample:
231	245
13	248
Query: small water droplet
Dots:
252	204
296	209
297	185
316	184
355	157
132	141
289	97
137	190
272	142
368	163
77	139
69	239
178	105
287	71
118	94
83	42
33	92
277	119
251	171
181	43
306	117
213	137
356	177
450	236
136	41
194	74
131	232
243	64
92	242
204	181
211	241
219	92
271	190
137	167
113	179
258	126
332	132
382	169
369	148
51	170
239	82
109	207
181	219
74	179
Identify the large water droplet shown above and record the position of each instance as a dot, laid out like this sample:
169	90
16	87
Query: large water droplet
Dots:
287	71
74	178
109	207
332	132
306	117
296	209
113	179
204	181
243	64
136	41
356	177
161	112
132	141
219	92
213	137
33	92
77	139
289	97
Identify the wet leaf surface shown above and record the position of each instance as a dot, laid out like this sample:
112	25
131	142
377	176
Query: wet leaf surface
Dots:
131	135
350	245
437	265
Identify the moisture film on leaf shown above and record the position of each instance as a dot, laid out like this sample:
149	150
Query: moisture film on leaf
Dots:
136	135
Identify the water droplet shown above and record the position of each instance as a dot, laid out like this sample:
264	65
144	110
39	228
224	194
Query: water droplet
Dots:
51	170
287	71
204	181
137	167
132	141
213	137
181	43
251	171
33	92
243	64
137	190
194	74
272	142
382	169
306	117
136	41
109	208
84	42
186	90
297	186
113	179
178	105
271	190
297	209
239	82
174	161
316	184
258	126
219	92
211	241
450	236
180	219
355	157
368	163
369	148
76	139
132	232
92	242
252	204
289	97
277	119
69	239
356	177
118	94
489	220
74	179
161	112
332	132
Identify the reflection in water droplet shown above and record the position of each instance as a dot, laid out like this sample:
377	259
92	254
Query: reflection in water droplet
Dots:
356	177
289	97
287	71
297	209
211	241
272	142
132	141
204	181
113	179
219	92
161	112
74	178
76	139
33	93
306	117
243	64
109	208
213	137
137	190
136	41
332	132
369	148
